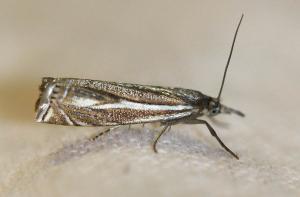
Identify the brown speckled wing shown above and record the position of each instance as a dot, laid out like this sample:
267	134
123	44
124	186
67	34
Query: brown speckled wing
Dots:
97	103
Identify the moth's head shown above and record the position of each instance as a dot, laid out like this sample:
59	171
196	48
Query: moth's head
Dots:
214	107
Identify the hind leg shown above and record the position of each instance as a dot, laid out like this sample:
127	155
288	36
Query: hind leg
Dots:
99	134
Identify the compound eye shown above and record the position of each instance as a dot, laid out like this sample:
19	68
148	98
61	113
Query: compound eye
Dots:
215	111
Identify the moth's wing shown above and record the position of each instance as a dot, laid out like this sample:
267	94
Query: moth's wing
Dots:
142	93
135	92
91	102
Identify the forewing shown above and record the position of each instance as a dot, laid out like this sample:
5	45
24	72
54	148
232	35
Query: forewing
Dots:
138	93
90	102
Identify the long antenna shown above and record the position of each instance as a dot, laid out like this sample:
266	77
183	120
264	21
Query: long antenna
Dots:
229	58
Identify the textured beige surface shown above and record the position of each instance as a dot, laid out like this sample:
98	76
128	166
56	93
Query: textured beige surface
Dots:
170	43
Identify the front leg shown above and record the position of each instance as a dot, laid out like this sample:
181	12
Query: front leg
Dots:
212	132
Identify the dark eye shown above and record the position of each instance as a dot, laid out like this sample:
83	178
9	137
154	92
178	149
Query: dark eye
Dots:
215	111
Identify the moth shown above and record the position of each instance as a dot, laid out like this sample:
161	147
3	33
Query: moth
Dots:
85	102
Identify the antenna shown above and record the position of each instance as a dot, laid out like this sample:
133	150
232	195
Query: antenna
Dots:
229	58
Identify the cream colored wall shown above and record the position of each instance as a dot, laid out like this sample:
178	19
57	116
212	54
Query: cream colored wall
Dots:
169	43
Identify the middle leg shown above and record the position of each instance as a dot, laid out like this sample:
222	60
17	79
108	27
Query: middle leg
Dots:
166	128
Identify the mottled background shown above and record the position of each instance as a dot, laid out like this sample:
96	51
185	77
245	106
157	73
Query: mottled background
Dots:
169	43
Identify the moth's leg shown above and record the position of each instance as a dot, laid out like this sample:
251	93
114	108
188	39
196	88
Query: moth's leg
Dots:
166	128
212	132
99	134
